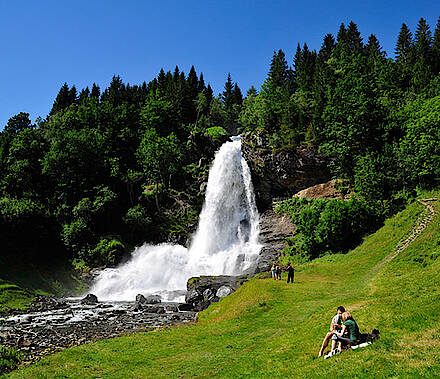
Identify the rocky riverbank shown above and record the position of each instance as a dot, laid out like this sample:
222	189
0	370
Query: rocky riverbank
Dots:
52	325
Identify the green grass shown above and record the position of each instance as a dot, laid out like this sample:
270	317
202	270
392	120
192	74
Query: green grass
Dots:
271	329
12	296
55	277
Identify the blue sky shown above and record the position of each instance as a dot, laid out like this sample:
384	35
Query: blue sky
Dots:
47	43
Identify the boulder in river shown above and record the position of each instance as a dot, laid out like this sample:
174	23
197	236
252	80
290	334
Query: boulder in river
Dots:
90	299
153	299
140	299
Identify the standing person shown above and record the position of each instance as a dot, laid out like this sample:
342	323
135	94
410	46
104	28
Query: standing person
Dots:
335	325
274	272
278	272
290	273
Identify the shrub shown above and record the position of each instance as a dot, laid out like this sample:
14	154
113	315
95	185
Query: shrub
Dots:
9	359
328	226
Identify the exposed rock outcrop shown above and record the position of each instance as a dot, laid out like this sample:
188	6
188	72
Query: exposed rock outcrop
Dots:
282	173
274	229
327	190
204	290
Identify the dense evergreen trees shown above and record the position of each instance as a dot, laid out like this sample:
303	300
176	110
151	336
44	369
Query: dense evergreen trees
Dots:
111	168
108	170
359	107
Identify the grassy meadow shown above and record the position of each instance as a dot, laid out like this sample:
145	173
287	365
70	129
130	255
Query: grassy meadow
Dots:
273	329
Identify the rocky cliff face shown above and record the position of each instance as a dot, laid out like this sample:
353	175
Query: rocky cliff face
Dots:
282	173
274	229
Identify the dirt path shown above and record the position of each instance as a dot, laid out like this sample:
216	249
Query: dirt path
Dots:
422	222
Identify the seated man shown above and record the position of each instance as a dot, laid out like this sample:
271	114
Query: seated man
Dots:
335	325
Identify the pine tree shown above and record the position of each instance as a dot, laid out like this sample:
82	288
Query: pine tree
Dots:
297	59
209	93
62	101
404	46
115	92
423	46
96	91
423	41
161	82
251	92
342	34
202	86
373	49
436	48
305	71
278	72
84	95
176	74
237	95
327	47
193	84
228	95
73	95
354	40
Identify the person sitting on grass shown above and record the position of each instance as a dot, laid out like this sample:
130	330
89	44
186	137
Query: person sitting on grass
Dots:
351	326
335	325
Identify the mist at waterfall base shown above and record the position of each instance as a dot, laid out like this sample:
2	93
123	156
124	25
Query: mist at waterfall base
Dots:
225	243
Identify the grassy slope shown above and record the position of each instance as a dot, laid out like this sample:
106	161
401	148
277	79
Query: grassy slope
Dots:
271	329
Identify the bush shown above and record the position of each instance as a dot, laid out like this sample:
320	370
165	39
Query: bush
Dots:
328	226
9	359
217	133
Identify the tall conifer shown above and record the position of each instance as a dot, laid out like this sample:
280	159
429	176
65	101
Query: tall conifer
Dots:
227	95
278	72
373	49
63	99
237	95
83	95
436	48
202	86
423	39
404	46
193	83
342	34
327	47
354	40
96	91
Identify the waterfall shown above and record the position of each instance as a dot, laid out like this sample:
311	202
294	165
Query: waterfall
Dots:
225	243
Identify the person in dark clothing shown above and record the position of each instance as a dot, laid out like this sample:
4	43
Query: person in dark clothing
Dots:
278	272
290	274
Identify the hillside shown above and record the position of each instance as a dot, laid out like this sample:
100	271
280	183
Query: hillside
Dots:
268	328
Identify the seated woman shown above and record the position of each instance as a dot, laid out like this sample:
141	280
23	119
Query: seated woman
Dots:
351	327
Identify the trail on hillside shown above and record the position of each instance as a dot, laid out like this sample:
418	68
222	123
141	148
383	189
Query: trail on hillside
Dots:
422	222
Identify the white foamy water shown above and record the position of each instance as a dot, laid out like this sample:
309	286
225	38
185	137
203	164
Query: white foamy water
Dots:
225	243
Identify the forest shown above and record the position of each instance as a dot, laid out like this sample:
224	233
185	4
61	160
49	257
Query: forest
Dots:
110	168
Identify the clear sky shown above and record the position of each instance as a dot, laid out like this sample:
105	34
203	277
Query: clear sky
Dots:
46	43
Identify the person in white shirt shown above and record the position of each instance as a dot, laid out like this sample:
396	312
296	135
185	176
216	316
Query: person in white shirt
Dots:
336	325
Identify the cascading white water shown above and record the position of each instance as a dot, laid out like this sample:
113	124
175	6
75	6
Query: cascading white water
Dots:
225	243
